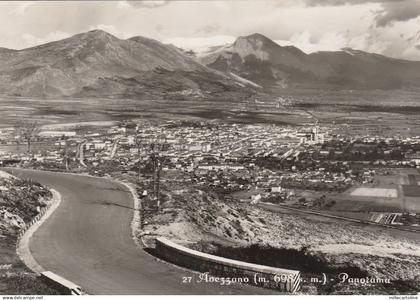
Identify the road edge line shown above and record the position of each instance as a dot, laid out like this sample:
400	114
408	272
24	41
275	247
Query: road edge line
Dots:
136	218
22	247
135	222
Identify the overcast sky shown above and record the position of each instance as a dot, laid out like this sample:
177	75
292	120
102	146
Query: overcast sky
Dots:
389	27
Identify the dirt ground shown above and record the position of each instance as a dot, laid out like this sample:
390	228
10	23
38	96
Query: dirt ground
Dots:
193	217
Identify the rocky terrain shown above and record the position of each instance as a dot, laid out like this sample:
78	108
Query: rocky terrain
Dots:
203	221
19	203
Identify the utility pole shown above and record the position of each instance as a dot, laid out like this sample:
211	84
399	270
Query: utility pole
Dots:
66	154
157	160
139	145
66	150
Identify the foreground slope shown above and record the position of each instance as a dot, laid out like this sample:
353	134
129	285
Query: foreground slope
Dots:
19	201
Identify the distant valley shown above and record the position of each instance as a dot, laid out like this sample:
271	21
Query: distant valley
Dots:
95	76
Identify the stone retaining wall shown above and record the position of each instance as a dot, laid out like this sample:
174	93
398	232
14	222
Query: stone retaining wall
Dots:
275	278
32	222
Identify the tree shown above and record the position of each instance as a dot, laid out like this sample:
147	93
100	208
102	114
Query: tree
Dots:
27	131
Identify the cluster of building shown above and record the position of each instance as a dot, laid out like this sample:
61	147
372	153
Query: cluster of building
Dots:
410	219
230	157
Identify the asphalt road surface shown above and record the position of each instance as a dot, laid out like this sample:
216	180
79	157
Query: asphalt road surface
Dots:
88	240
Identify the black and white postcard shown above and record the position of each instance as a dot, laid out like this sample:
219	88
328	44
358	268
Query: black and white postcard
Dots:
242	147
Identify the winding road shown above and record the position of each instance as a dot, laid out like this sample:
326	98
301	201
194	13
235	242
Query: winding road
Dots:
88	241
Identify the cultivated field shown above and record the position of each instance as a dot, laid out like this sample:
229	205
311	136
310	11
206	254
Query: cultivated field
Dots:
66	111
386	113
396	192
375	192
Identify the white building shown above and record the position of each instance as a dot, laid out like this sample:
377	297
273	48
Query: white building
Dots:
57	133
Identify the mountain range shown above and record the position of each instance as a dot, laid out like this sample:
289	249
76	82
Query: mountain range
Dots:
98	64
263	61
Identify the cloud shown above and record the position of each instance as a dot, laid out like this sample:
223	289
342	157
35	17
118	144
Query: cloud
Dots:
222	5
329	41
391	10
147	3
200	44
326	3
412	53
210	28
52	36
383	40
389	41
112	30
345	2
312	25
22	8
159	27
414	38
397	12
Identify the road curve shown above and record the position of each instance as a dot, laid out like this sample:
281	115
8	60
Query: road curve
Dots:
88	241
